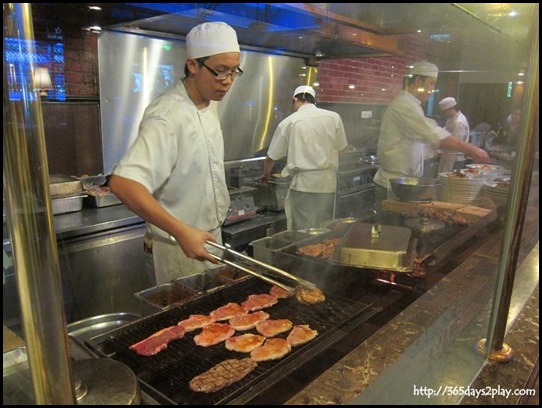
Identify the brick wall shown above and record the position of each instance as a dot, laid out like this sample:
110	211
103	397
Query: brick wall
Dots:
55	24
377	80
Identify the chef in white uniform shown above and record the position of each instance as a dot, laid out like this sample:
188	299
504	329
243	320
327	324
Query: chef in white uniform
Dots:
173	174
458	125
405	131
311	139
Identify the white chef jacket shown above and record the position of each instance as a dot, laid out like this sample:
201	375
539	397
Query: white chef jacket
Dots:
403	133
178	156
458	126
310	138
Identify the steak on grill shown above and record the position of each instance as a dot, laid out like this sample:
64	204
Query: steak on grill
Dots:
158	341
221	375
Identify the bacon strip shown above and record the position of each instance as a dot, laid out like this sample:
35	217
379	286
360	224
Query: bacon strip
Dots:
158	341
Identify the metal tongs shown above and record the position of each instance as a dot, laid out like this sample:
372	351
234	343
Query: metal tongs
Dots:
271	268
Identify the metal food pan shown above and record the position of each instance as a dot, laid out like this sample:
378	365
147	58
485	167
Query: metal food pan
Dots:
101	200
163	296
64	185
374	246
203	282
85	329
265	247
228	273
64	205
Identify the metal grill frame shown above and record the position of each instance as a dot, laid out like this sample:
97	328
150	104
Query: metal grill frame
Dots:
165	376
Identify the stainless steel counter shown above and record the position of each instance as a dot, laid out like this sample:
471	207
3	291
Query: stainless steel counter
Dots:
244	232
92	220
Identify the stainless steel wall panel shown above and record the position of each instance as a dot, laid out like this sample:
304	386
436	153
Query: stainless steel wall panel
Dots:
135	69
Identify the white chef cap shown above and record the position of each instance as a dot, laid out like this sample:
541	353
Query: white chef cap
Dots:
447	103
209	39
305	89
424	68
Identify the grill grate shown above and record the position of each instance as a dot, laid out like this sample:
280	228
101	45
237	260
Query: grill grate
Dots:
166	375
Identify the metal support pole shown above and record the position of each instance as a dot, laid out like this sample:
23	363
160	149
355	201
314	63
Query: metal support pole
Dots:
28	205
517	204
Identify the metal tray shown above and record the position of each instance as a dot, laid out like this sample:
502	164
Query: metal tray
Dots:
62	205
203	282
101	200
373	246
265	247
163	296
85	329
63	185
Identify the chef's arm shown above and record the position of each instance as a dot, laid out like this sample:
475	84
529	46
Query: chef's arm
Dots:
268	165
453	143
138	199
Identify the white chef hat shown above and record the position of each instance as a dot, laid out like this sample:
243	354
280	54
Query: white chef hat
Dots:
447	103
305	89
424	68
211	38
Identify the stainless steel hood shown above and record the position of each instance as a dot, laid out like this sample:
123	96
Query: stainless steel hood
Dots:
301	29
341	30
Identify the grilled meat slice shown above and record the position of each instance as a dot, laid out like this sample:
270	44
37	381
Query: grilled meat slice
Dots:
227	311
272	349
248	321
280	293
309	296
258	302
214	334
301	334
244	343
270	328
221	375
196	321
158	341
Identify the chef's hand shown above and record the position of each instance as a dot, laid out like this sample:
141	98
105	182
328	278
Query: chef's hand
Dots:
264	178
479	155
192	241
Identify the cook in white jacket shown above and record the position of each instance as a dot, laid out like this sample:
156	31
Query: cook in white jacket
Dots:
458	125
173	174
405	131
311	139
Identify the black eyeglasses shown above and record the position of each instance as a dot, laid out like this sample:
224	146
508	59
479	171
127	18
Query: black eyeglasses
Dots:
221	76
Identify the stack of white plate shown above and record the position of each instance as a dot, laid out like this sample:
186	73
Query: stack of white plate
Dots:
459	188
497	191
489	171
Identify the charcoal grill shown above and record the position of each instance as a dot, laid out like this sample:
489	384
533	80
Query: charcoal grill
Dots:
165	377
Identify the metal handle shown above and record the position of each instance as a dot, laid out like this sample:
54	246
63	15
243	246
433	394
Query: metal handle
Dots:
251	272
301	281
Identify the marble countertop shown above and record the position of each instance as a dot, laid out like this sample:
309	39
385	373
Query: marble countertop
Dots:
432	343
